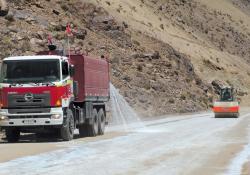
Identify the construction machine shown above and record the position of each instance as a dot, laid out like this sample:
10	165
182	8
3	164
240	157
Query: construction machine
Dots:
227	105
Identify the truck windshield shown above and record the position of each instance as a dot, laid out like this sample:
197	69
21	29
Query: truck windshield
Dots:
30	71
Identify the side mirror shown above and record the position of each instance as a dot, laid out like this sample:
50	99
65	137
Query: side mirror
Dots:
71	70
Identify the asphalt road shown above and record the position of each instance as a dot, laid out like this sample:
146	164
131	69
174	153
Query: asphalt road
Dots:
183	145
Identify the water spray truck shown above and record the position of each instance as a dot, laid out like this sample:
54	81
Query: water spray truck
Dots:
53	93
226	106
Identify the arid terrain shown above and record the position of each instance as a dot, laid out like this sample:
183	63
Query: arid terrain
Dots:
166	57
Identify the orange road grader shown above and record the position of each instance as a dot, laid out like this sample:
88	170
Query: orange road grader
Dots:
227	105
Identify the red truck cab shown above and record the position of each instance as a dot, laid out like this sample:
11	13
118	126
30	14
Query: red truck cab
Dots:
53	93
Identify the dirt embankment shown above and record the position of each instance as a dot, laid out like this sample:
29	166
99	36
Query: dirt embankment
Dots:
153	76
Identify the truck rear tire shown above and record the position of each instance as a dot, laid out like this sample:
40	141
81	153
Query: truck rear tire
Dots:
12	134
101	122
93	126
68	127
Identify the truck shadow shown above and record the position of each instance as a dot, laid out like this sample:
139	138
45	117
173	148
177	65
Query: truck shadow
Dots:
33	138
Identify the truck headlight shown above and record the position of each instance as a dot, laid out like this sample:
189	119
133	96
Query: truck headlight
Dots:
2	117
56	116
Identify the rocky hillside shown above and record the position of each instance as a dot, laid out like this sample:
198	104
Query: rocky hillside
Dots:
164	54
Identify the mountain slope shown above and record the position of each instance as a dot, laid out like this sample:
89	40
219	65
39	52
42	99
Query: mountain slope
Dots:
215	34
165	54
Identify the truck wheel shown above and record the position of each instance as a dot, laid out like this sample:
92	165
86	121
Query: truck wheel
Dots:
67	130
93	125
12	134
90	129
101	122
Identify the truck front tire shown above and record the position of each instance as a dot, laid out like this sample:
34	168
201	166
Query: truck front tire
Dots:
67	130
12	134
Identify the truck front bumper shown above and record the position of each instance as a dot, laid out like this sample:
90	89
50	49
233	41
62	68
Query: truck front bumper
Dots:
55	117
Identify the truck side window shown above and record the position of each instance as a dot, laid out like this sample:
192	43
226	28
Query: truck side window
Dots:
65	69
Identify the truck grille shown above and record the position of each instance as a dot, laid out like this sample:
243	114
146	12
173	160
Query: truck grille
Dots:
18	104
27	117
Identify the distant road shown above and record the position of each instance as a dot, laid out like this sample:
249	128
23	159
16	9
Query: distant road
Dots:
182	145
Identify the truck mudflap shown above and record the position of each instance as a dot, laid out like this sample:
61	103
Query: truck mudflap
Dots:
55	117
